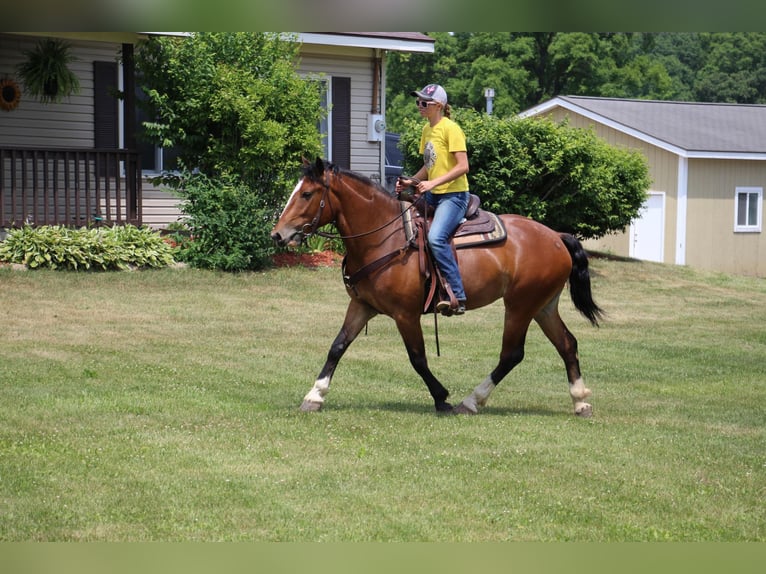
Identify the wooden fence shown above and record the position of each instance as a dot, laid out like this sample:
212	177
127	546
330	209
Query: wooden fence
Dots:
72	187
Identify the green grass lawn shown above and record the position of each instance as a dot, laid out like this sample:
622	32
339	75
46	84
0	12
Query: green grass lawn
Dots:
163	406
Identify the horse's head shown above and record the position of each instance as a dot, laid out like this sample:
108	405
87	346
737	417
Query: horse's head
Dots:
306	209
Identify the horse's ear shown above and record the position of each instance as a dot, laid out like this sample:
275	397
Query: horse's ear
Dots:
319	166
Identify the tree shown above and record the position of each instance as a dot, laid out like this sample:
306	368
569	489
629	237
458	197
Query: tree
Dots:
527	68
734	70
241	118
233	104
564	177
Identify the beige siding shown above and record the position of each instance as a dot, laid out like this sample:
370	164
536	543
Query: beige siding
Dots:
663	173
710	237
365	155
159	207
710	240
68	124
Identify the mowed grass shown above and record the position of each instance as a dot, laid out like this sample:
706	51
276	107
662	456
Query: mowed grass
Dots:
163	406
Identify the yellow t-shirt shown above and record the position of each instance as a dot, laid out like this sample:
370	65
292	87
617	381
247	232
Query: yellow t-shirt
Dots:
437	145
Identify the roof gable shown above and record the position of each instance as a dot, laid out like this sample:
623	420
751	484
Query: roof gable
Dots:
392	41
690	129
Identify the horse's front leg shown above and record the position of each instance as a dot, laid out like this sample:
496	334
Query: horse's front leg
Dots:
357	316
412	334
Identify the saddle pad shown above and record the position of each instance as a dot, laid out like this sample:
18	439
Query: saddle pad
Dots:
409	226
485	227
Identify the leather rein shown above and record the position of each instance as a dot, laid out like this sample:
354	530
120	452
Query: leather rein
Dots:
351	280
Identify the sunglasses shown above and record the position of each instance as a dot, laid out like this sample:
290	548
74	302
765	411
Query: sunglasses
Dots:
423	103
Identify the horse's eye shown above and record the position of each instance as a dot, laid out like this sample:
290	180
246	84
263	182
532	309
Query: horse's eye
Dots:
307	194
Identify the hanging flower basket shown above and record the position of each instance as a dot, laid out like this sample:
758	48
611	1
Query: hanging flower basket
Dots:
10	94
46	74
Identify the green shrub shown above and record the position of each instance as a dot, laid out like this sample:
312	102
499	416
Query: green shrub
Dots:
229	223
563	176
95	248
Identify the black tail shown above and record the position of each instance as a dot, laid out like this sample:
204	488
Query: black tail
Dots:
579	280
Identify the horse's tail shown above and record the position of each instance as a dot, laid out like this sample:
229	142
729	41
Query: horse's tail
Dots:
579	280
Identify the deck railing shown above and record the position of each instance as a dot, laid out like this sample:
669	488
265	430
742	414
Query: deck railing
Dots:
73	187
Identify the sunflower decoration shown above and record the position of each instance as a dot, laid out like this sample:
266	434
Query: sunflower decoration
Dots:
10	94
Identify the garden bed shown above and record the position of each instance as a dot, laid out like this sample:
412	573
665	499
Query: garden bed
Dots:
313	259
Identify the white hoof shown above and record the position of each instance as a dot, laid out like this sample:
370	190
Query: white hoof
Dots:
464	409
310	407
583	410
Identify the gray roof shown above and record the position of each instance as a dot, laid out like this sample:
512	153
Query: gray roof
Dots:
692	128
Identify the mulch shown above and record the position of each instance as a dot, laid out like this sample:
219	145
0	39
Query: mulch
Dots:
314	259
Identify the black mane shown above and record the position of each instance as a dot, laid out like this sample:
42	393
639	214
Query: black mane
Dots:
315	173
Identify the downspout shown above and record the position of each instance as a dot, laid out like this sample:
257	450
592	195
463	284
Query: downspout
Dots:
376	68
378	104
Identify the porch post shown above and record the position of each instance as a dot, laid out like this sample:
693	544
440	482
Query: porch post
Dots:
133	171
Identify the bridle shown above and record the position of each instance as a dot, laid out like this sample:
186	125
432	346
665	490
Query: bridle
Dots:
350	281
309	229
313	226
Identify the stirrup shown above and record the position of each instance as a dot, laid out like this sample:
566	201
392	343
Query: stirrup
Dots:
448	309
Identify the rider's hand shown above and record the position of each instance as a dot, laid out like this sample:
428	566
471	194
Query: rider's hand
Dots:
403	183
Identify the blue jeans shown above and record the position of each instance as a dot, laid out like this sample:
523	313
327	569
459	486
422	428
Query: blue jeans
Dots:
449	211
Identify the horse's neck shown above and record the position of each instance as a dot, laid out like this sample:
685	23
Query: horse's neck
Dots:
369	219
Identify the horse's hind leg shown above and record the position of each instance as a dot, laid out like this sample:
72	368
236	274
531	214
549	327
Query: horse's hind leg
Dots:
357	316
514	338
554	328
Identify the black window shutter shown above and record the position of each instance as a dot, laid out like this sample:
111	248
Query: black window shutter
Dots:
341	122
105	116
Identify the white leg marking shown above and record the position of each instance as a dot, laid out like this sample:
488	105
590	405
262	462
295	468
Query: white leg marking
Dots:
579	392
318	391
478	398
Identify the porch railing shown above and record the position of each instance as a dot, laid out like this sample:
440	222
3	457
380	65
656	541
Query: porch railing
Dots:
73	187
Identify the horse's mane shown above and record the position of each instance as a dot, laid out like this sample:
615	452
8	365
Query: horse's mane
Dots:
312	173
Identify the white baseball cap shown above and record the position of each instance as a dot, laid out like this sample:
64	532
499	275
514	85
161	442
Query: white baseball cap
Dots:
432	92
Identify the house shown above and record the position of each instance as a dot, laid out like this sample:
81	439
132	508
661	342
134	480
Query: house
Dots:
76	161
707	163
70	162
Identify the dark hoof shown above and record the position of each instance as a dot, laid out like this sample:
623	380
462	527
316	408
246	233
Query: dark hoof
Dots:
461	409
310	407
445	409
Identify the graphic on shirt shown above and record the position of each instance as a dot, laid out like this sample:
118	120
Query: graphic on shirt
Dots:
429	155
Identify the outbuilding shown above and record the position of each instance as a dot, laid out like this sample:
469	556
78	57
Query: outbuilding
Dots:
707	163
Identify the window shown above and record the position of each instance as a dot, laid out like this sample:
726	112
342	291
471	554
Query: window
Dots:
748	209
154	159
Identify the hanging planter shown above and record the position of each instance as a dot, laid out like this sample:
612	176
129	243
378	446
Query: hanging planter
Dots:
10	94
46	74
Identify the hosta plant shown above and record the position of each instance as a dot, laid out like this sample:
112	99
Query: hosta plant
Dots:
95	248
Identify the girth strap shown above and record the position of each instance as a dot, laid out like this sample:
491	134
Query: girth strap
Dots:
351	280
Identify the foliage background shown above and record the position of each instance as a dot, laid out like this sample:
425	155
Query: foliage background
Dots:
241	118
566	178
527	68
232	103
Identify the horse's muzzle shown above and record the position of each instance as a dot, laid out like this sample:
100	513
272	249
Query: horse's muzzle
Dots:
292	241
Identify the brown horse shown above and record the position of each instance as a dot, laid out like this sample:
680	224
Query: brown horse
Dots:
529	270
